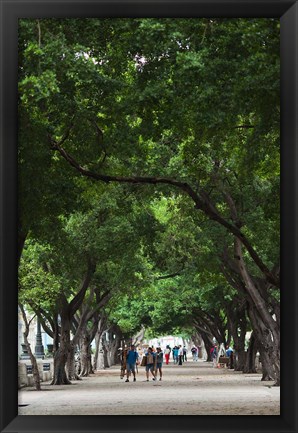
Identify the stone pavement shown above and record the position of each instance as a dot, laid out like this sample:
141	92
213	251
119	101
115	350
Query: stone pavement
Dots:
195	388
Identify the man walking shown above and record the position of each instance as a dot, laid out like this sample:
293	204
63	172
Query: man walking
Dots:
180	354
131	360
159	361
184	353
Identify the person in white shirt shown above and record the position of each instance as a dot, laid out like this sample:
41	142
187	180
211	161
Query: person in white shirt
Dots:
180	355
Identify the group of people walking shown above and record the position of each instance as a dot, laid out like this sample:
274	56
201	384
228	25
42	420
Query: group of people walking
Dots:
179	354
152	361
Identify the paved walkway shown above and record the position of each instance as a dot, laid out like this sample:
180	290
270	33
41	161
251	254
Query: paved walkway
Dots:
195	388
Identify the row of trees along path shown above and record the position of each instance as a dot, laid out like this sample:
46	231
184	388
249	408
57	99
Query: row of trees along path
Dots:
149	184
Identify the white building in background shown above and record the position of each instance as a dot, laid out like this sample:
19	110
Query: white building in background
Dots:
172	341
164	341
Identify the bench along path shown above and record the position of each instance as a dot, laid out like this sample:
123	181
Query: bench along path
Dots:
195	388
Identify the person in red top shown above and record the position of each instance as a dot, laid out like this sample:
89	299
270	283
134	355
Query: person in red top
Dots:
167	354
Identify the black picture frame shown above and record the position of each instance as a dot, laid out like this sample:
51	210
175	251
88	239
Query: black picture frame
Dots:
11	11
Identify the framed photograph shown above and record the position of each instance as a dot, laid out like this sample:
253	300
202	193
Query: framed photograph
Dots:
149	189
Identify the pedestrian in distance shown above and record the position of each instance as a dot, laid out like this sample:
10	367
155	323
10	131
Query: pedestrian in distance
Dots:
175	354
184	353
131	360
197	352
213	352
194	351
230	355
150	363
229	350
159	361
180	354
167	354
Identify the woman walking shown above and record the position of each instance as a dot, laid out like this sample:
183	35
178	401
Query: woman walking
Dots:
167	354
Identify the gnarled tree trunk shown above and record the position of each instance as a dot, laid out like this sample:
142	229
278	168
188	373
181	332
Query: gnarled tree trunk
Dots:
198	341
250	364
35	371
114	358
71	364
61	355
208	343
264	339
98	362
86	365
237	324
265	327
113	344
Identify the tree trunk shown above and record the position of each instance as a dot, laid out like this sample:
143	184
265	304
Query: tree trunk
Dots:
265	326
267	374
116	343
112	345
71	364
264	339
239	358
112	348
56	338
98	363
35	371
136	339
250	364
239	353
208	343
60	377
95	359
86	366
61	355
101	360
114	359
198	342
105	346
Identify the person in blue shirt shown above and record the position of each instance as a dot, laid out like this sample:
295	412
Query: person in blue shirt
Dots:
131	360
229	350
230	355
159	361
175	354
